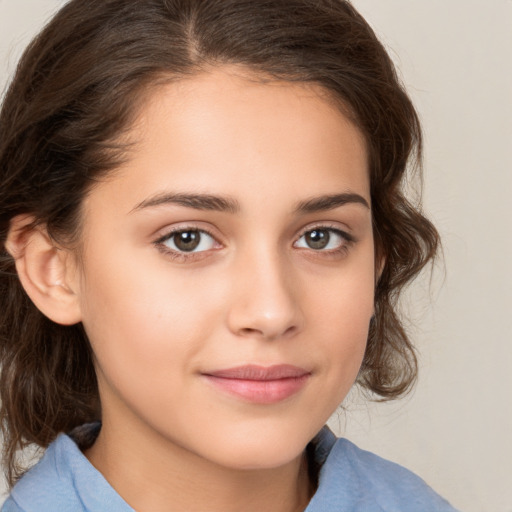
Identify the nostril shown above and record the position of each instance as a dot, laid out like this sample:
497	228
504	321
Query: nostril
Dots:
268	334
249	331
291	330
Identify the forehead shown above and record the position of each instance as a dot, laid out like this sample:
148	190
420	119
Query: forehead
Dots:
230	132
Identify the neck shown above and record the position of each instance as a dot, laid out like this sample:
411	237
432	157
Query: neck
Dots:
152	474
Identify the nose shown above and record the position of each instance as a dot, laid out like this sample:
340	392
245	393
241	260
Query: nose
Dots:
266	300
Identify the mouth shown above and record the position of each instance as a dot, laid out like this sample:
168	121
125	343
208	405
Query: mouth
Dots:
260	384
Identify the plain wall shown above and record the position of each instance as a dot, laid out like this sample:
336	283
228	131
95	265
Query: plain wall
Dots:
456	430
455	57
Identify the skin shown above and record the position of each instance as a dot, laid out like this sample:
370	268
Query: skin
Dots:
254	291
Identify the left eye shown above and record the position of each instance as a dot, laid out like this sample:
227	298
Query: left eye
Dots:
321	239
188	240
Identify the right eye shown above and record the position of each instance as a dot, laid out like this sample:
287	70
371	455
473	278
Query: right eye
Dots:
187	241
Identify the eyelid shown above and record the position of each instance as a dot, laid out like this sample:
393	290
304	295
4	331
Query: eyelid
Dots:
183	255
164	233
328	226
324	253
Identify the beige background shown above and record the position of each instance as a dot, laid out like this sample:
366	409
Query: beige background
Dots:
455	57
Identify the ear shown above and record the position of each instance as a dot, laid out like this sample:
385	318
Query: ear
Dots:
47	272
380	263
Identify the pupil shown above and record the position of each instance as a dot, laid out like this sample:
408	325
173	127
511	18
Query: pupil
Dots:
318	238
187	240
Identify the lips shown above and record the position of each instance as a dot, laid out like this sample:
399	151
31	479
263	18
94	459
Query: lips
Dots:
260	384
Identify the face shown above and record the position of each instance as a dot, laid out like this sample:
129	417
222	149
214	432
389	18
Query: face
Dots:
227	276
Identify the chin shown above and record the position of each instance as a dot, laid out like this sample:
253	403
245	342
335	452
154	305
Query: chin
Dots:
260	450
245	460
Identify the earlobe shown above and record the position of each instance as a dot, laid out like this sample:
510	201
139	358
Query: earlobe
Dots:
380	263
44	271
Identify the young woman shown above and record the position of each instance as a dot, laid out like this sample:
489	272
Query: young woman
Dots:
203	240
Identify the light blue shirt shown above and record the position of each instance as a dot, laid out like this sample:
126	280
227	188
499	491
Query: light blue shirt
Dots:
350	480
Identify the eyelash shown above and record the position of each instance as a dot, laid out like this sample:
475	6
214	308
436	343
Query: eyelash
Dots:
348	241
181	256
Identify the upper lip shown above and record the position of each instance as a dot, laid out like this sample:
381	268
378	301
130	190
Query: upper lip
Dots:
256	372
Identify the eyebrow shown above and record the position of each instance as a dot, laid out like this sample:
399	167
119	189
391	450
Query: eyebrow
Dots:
196	201
324	203
230	205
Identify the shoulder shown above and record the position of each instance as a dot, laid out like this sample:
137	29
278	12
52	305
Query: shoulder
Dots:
11	506
358	480
63	480
45	486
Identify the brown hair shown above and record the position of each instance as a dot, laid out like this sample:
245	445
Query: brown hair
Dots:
74	92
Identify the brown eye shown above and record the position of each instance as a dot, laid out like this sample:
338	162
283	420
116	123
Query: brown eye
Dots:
318	238
188	240
323	239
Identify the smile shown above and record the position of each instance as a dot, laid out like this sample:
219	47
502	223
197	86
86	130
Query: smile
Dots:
258	384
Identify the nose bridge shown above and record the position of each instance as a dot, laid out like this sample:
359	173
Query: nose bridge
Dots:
265	302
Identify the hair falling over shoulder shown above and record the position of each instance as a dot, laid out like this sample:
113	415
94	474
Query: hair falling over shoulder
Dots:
74	93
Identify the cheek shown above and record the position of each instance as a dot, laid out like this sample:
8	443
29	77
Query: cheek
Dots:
341	314
140	320
146	335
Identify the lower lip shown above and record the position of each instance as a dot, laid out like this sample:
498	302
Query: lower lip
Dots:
260	391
